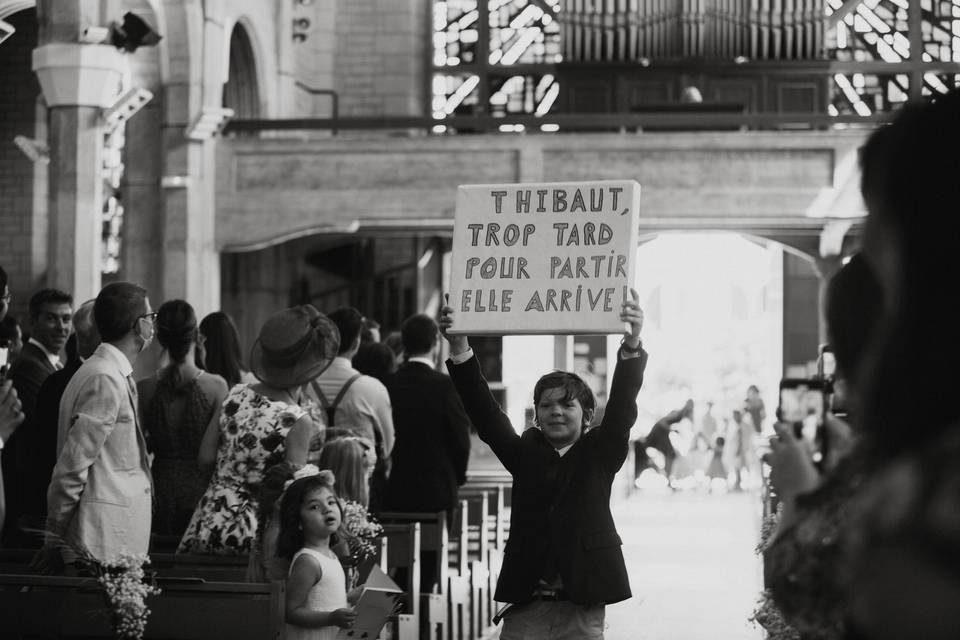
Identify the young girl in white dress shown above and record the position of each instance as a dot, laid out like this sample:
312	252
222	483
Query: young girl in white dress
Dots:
310	515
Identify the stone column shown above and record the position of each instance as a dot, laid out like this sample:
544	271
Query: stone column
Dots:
78	81
191	263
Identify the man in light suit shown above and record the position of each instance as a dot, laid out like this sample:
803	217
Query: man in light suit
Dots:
101	490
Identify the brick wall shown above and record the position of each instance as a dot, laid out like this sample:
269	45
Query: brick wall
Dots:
18	106
380	56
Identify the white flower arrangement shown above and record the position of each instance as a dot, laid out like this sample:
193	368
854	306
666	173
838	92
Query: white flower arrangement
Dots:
124	581
126	591
359	531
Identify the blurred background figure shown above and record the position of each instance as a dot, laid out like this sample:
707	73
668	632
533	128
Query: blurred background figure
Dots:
222	354
375	359
11	337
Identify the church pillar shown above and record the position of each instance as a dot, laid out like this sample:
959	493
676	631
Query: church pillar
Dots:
78	81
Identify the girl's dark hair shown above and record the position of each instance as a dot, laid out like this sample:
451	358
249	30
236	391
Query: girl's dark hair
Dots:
573	387
290	539
910	183
222	346
854	303
176	328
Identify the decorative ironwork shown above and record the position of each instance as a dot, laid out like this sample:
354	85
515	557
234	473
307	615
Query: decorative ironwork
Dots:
915	34
494	57
498	57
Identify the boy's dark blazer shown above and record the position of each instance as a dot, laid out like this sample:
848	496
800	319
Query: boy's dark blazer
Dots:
560	504
432	446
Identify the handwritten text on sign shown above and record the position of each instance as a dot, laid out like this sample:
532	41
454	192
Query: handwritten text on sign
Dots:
543	258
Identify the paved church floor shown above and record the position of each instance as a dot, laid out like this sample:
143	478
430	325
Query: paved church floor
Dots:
692	566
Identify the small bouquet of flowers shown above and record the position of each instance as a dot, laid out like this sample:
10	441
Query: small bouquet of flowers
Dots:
126	591
124	581
359	531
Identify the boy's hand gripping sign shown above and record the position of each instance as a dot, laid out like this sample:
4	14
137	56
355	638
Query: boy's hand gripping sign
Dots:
553	258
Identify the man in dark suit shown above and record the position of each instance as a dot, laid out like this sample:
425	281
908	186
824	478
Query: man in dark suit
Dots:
562	564
50	324
80	346
429	459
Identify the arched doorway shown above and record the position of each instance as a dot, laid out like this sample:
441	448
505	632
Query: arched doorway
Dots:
241	91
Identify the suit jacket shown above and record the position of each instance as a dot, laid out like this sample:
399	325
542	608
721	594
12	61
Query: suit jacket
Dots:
432	447
27	373
560	516
101	488
46	427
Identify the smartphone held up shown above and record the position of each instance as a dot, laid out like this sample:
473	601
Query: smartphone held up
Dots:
802	405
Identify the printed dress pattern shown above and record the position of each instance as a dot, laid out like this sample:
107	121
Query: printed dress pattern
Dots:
253	430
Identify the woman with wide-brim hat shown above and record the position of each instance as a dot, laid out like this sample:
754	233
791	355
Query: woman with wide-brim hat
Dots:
260	425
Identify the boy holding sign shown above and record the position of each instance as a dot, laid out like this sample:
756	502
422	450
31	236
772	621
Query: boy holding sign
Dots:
562	562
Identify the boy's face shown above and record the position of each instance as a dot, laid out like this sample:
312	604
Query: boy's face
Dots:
561	420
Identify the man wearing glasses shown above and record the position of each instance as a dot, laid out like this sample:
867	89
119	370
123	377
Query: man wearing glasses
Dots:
101	489
51	313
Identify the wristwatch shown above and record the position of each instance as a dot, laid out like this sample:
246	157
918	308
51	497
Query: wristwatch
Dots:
637	349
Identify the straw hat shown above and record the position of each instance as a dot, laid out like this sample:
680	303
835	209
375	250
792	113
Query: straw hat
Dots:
294	346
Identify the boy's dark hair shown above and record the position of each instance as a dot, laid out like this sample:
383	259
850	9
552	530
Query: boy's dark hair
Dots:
290	539
45	297
349	322
3	280
176	328
222	354
573	388
117	308
419	333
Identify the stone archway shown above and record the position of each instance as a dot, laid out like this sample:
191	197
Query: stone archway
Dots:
241	92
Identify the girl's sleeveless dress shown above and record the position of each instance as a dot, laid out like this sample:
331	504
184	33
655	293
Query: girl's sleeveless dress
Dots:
329	594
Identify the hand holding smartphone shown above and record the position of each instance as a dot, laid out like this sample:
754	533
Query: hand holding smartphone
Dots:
802	406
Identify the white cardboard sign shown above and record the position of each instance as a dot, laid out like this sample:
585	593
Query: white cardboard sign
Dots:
552	257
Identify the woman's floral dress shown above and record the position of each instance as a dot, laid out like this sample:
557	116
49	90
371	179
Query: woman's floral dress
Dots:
253	430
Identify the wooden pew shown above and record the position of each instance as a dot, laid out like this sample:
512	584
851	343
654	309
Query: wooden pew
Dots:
472	542
403	551
208	568
435	570
458	596
187	609
491	501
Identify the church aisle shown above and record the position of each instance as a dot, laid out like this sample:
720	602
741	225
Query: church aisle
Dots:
692	566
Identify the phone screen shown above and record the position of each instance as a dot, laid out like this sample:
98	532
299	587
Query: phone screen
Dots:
802	405
828	364
4	362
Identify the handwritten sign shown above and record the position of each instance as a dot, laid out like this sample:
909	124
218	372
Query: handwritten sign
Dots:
554	257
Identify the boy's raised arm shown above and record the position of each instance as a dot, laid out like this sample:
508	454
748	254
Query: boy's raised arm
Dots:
459	344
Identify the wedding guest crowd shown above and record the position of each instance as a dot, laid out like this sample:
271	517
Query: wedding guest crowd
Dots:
202	450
